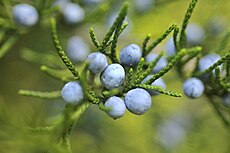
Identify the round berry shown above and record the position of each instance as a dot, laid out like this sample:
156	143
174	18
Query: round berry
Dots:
113	76
77	49
117	107
130	55
25	15
193	88
72	92
160	64
170	47
207	61
73	13
159	82
195	34
138	101
97	62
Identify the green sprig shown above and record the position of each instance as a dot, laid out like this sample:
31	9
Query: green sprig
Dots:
111	93
57	74
119	20
94	38
175	37
149	69
159	40
60	51
129	78
173	62
70	115
40	94
123	27
211	68
219	80
93	97
144	45
182	39
139	68
8	44
113	54
83	78
159	89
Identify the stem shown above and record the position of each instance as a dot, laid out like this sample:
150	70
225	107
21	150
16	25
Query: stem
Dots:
63	129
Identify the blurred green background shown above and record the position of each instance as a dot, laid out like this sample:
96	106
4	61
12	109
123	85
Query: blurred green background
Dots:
201	130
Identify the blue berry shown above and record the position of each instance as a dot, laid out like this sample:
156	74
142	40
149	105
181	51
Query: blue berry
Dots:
25	15
73	13
117	107
193	88
72	93
130	55
207	61
170	47
77	49
97	62
138	101
195	34
160	64
113	76
159	82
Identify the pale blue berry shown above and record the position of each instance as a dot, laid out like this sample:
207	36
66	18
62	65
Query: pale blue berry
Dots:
117	107
195	34
193	88
170	47
113	76
72	92
207	61
97	62
160	64
138	101
159	82
130	55
73	13
77	49
25	15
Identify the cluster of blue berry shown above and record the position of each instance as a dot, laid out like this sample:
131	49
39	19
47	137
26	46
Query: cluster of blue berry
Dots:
136	100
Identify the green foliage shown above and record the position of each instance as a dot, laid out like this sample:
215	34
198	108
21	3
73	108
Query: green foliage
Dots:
59	131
